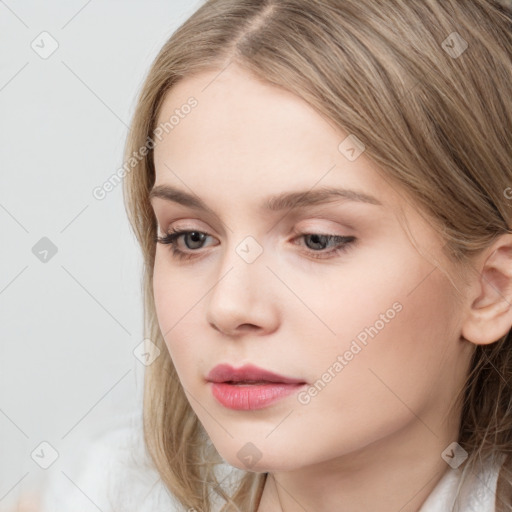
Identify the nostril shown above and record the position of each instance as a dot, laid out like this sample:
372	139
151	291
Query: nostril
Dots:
248	327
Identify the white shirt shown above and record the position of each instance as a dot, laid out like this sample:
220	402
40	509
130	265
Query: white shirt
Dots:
477	494
116	475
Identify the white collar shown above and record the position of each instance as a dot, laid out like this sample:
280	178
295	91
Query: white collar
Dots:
477	494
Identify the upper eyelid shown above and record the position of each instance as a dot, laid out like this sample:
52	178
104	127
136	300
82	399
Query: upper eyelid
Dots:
320	216
296	231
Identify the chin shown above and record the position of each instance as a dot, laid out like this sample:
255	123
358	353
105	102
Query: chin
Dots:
251	457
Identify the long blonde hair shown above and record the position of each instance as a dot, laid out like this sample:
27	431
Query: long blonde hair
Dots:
435	115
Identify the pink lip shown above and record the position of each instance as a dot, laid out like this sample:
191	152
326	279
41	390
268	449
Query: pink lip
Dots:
249	387
248	372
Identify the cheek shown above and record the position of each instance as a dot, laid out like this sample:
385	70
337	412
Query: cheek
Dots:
398	344
164	293
393	322
177	302
175	290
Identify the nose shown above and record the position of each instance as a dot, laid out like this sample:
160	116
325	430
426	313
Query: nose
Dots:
241	300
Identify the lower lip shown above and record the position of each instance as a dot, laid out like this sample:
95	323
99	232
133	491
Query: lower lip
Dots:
250	397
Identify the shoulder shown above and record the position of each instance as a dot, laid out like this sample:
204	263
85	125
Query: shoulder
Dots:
114	473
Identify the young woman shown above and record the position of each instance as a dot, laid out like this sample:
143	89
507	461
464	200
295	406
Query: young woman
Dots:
322	191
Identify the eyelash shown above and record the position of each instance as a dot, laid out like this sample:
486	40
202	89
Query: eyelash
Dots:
171	238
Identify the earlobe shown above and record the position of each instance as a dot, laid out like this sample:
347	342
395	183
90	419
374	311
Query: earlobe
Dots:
489	316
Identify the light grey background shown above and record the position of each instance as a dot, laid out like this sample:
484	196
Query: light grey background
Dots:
69	325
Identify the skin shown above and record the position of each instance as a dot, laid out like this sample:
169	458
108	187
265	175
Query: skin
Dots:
372	438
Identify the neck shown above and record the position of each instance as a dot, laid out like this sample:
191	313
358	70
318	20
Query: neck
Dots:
394	473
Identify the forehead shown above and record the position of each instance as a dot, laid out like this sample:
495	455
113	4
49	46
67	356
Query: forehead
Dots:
239	115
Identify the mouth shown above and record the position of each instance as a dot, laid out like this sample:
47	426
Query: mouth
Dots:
249	387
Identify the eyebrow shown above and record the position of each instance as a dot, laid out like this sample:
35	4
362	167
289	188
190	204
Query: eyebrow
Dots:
287	200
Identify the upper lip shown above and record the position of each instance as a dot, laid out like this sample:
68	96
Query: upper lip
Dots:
248	372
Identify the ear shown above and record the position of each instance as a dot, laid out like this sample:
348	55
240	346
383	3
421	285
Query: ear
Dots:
490	312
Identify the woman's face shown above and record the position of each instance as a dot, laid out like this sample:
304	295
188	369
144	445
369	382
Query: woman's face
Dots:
327	291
